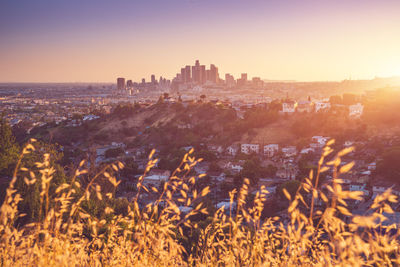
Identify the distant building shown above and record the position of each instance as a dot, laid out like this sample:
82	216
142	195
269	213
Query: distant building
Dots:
257	82
289	151
214	76
249	148
187	75
322	106
202	74
356	110
307	150
153	79
271	149
320	141
305	106
156	177
234	167
348	143
380	187
230	80
232	150
121	84
243	80
288	171
196	72
244	77
289	106
129	84
372	166
183	76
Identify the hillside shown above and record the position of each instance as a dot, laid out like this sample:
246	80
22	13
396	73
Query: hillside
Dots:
167	125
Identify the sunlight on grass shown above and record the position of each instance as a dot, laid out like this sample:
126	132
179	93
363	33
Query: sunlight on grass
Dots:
151	235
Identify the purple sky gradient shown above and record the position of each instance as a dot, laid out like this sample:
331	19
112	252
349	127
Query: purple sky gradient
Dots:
57	41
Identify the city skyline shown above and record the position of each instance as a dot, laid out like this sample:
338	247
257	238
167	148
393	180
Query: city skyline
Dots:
96	41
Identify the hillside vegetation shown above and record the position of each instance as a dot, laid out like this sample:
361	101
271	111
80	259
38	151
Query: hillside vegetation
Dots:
167	125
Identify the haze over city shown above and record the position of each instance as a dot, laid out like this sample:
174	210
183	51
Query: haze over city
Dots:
96	41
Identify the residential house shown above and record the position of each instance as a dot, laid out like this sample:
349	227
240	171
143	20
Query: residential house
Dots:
234	167
355	111
348	143
319	141
305	106
288	173
226	205
289	151
232	150
90	117
289	106
287	170
354	186
156	177
380	187
322	106
215	148
250	148
372	166
217	176
307	150
271	149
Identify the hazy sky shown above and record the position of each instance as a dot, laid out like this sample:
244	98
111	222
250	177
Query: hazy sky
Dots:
98	40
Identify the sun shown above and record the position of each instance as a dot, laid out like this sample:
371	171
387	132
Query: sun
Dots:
392	70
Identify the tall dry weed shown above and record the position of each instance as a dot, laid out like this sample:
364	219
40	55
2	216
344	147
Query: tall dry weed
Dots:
318	230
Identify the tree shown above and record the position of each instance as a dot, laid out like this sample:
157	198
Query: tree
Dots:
130	169
9	149
30	194
77	116
349	99
305	166
270	170
20	131
251	170
113	152
335	99
206	155
124	110
214	167
389	166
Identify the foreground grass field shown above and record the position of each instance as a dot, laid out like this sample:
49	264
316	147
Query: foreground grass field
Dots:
67	235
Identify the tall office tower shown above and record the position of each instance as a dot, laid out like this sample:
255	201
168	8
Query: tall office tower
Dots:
257	82
208	75
202	74
230	80
187	74
121	83
183	75
244	77
179	77
160	80
143	81
214	76
153	79
243	80
196	72
129	84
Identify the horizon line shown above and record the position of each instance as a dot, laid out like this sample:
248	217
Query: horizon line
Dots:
265	80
